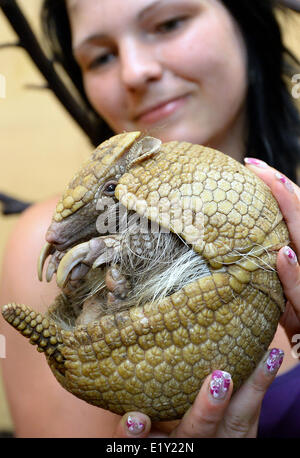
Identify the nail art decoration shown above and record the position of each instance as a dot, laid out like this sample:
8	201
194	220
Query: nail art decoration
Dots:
219	384
134	425
255	162
274	360
287	183
290	254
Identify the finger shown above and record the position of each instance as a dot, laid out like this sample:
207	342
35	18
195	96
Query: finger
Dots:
289	272
288	197
290	322
242	415
285	192
266	173
204	416
133	424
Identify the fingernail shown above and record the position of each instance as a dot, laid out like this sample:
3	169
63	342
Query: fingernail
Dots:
255	162
134	425
290	254
273	361
285	181
219	384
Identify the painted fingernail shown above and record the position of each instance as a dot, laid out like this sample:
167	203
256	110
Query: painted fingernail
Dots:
134	425
273	361
219	384
285	181
290	254
255	162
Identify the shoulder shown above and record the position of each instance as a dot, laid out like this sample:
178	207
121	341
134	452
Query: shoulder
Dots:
19	272
33	221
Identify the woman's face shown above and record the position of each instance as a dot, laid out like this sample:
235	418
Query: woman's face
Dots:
173	68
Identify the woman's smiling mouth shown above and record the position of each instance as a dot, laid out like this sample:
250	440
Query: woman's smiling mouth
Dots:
161	111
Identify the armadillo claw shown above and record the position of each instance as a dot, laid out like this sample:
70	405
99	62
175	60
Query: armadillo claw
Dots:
45	252
75	256
50	271
53	264
104	258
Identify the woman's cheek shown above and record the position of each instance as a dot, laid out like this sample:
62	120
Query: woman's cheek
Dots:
101	95
90	85
213	54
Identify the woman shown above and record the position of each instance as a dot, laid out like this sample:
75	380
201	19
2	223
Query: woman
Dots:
204	71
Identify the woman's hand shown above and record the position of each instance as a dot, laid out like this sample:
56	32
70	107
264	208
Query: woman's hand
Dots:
214	413
287	195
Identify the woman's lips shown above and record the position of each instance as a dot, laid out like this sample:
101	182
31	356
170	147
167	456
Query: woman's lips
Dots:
161	111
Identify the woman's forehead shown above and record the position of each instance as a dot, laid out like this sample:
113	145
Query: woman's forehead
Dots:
132	6
111	9
77	5
89	16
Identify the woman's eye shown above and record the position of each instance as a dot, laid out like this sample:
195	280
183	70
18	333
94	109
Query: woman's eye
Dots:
99	61
170	25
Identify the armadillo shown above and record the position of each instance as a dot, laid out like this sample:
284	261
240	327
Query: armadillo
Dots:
148	309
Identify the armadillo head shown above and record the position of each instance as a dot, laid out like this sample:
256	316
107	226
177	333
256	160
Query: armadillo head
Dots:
92	189
76	212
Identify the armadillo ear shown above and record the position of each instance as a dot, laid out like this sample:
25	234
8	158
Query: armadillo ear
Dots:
141	150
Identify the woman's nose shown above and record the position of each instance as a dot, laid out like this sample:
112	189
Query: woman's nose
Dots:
139	65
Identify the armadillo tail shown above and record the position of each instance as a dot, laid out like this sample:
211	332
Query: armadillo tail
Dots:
39	330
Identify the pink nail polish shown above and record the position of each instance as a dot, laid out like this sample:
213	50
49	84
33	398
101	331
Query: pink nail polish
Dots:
134	425
255	162
290	254
274	360
219	384
287	183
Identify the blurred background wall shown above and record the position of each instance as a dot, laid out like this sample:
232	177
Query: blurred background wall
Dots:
40	146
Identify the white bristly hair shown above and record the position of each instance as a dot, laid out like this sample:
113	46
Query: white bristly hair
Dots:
156	263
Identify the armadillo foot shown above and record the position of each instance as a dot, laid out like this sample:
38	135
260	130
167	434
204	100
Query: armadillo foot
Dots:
94	307
117	284
92	254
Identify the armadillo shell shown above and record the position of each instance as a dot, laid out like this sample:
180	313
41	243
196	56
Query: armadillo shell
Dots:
154	358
